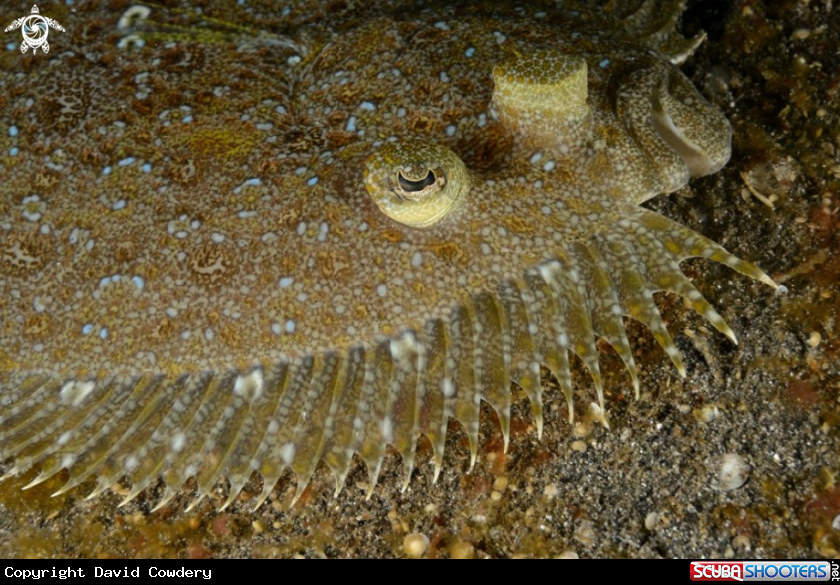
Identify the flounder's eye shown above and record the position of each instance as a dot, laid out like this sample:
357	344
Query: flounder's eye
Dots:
412	189
416	183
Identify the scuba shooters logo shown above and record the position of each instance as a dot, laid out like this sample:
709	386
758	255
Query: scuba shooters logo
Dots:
35	29
764	571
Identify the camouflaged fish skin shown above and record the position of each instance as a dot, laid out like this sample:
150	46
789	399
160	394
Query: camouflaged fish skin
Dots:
226	250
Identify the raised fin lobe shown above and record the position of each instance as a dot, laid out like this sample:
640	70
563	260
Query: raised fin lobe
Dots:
157	444
22	399
244	460
316	422
248	389
274	454
407	396
116	433
552	338
606	310
199	438
685	243
515	299
40	437
151	449
338	451
663	272
371	439
437	406
636	298
25	413
217	446
492	357
565	277
466	395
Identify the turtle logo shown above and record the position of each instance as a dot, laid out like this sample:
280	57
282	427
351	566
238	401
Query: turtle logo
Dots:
34	28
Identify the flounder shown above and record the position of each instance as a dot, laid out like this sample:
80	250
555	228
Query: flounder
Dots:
224	253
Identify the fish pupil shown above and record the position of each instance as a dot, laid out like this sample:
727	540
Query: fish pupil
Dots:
410	186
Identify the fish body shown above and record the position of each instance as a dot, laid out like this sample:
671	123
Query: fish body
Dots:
224	252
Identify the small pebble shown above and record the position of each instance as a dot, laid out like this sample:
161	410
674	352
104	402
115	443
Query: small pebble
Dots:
461	550
741	542
733	471
415	545
707	413
568	554
585	533
728	553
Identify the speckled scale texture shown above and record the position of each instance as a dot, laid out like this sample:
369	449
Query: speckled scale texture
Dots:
196	280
